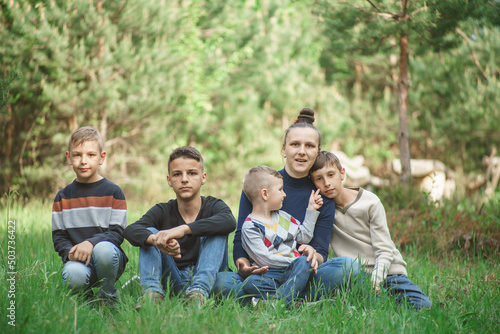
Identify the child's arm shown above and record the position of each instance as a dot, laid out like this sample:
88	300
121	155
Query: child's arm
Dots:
137	233
306	229
253	241
170	247
240	257
220	221
323	230
117	222
60	238
81	252
382	243
315	200
62	243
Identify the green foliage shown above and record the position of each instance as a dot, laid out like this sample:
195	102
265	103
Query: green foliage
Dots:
453	108
468	112
457	227
229	77
4	91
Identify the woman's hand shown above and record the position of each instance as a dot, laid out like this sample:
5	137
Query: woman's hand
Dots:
311	254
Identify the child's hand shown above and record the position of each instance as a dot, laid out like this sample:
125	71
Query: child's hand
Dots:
172	248
315	200
245	270
81	252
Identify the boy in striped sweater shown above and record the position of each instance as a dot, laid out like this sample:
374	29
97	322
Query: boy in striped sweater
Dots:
88	220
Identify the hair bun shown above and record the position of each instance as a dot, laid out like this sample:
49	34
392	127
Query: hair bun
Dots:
306	115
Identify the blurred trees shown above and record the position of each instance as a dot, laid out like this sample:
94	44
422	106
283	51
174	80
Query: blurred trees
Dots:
228	78
381	36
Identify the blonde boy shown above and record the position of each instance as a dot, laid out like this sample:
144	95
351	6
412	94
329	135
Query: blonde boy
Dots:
88	220
361	231
270	237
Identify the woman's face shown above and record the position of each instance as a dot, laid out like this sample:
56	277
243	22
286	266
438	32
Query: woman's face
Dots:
300	150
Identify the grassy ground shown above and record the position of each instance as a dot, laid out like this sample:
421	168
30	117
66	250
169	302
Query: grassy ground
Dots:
465	292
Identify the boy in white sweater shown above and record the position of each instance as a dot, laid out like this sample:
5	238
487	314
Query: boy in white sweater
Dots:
361	231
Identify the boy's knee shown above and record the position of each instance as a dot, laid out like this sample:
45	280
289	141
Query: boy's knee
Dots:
75	276
104	253
355	266
351	266
424	303
214	241
301	261
153	230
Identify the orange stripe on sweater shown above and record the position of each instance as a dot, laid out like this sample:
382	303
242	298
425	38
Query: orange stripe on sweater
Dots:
83	202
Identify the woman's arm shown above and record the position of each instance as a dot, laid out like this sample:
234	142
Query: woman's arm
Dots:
244	210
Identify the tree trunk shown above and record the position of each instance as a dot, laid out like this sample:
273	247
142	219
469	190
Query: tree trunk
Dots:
404	133
8	148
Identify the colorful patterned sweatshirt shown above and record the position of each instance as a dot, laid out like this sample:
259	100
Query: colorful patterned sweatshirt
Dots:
88	211
274	243
295	203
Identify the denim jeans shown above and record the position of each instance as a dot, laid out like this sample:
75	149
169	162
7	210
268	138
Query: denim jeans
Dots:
402	287
333	274
106	266
157	269
283	284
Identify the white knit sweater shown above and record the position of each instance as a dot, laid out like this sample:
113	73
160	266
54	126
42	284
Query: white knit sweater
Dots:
360	231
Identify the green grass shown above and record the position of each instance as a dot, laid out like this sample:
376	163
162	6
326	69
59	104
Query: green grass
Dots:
465	292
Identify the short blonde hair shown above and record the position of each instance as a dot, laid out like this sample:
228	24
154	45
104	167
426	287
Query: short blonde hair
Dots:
256	179
83	134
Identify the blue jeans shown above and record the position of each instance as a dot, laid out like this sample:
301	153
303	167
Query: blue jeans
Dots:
106	266
402	287
281	283
333	274
157	269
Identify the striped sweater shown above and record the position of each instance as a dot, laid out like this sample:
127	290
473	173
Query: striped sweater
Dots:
88	211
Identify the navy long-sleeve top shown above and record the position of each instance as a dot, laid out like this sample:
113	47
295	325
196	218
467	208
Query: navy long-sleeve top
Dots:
295	203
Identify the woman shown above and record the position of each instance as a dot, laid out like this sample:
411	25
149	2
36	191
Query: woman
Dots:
301	145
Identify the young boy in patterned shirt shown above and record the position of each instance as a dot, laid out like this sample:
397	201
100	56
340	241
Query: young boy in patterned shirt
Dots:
270	236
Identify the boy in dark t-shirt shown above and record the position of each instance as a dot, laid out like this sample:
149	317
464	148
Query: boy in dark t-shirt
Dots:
183	241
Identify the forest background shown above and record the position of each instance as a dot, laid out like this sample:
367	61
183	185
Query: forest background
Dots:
229	77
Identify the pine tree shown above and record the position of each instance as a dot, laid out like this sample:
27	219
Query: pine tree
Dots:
361	28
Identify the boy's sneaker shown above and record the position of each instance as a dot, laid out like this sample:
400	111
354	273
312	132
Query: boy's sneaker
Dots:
151	297
196	297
